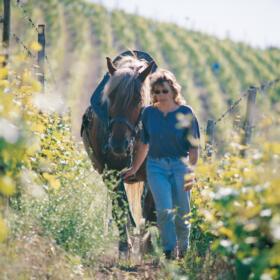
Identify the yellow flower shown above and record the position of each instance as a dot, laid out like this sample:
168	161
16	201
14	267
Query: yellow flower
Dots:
4	83
35	46
227	232
52	180
3	73
3	230
7	186
2	58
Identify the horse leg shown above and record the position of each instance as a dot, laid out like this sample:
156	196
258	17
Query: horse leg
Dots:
122	215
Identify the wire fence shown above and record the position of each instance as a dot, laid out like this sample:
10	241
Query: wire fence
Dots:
29	52
261	88
20	42
27	17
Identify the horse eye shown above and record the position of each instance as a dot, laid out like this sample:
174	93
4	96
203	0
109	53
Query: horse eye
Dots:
112	98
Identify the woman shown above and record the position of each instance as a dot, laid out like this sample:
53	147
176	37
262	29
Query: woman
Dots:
168	147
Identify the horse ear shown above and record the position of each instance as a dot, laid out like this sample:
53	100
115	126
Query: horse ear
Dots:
143	75
112	69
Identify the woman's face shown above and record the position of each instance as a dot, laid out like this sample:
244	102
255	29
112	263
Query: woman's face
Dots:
163	93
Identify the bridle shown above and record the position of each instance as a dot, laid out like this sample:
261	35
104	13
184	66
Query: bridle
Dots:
134	129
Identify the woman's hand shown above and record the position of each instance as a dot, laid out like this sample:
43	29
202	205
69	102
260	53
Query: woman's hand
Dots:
190	181
141	153
128	174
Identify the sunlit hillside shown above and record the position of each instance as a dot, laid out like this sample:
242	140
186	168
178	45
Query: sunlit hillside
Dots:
212	72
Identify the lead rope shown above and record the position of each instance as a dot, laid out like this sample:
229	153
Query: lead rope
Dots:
107	221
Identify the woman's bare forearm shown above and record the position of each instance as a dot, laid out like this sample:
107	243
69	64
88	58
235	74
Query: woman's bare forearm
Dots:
141	153
193	156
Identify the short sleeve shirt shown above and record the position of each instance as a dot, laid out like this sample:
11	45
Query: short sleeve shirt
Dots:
164	134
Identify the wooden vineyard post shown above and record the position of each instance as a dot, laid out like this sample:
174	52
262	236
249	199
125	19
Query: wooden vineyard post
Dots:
209	138
41	54
6	29
249	118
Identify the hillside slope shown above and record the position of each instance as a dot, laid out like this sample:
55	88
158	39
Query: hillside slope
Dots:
212	72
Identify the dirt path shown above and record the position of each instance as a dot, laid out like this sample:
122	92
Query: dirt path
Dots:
35	256
125	270
109	266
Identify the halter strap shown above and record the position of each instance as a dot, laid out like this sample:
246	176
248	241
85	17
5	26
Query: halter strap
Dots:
134	129
122	120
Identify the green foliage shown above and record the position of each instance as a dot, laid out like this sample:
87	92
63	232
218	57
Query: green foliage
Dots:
124	36
238	204
74	218
45	172
46	178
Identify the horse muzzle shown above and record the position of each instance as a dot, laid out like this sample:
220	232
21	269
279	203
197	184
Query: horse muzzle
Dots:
119	148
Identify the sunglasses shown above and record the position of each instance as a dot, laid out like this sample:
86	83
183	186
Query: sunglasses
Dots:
164	91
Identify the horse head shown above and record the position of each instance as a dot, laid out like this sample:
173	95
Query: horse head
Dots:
126	93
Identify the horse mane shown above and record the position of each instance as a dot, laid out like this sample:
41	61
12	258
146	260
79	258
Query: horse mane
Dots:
123	85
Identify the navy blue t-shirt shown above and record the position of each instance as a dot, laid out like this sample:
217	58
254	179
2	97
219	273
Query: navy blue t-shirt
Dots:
165	136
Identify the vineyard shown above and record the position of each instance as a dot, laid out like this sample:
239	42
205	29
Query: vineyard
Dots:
55	220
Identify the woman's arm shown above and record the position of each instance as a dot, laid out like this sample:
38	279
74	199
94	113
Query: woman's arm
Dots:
193	156
141	153
190	179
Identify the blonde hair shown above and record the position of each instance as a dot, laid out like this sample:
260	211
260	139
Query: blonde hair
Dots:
161	76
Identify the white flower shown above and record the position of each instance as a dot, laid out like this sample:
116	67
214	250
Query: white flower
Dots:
225	243
265	213
276	232
8	131
28	179
275	227
184	120
49	102
224	192
266	277
247	261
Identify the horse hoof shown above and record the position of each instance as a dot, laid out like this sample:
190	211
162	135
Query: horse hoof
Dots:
146	243
124	249
123	255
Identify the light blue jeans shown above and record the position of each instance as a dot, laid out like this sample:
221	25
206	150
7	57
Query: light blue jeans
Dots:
166	180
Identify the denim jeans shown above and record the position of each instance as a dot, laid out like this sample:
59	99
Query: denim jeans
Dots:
166	181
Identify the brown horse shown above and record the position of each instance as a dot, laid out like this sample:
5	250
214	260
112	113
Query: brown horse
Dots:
113	145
